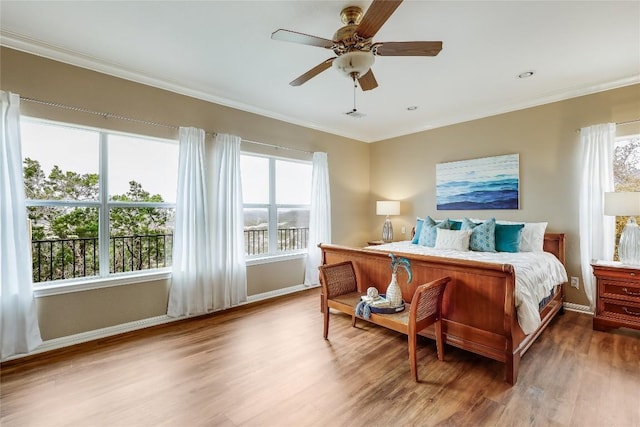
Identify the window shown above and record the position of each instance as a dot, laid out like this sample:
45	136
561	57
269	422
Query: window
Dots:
626	173
277	197
98	203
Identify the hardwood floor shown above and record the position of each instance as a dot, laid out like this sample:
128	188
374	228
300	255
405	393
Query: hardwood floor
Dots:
268	365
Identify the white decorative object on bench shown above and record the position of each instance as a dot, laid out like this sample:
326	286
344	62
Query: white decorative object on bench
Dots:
394	293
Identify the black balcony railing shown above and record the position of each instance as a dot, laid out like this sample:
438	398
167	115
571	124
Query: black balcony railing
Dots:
64	258
71	258
291	239
135	253
256	242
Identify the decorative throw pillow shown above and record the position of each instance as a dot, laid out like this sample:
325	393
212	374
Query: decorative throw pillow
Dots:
483	237
455	224
429	231
416	236
452	239
532	238
508	237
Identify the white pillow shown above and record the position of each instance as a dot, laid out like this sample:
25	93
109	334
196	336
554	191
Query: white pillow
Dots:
453	239
532	237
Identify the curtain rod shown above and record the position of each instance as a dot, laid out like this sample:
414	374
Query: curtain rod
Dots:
98	113
141	121
628	122
278	147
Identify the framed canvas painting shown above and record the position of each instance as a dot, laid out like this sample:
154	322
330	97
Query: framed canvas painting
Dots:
486	183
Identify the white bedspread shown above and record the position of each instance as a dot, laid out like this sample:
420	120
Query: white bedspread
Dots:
536	274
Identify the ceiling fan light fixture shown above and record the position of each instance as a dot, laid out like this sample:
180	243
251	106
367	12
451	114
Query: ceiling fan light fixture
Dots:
354	62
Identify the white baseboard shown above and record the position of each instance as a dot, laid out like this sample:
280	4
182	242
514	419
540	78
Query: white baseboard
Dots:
57	343
578	307
279	292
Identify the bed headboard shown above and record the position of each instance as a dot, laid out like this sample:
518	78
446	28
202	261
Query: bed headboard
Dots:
553	243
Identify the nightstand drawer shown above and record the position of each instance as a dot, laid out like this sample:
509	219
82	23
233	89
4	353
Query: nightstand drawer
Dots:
621	273
627	291
626	311
617	296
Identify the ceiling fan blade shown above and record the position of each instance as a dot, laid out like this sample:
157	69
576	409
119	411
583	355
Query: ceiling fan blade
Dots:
312	72
294	37
368	81
407	48
375	17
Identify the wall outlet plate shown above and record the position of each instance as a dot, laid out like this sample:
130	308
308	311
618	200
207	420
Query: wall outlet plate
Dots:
575	282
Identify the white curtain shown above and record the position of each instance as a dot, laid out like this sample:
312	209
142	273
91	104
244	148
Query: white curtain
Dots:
19	330
320	216
229	267
597	231
191	283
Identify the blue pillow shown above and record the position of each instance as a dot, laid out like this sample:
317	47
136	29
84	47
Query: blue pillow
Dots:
455	225
416	236
508	237
430	230
483	237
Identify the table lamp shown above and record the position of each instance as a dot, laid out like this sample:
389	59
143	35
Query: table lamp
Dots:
626	204
387	207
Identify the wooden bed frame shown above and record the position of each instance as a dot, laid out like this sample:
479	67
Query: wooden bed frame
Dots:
479	313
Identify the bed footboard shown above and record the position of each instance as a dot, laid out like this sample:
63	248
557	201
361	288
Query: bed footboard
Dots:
478	308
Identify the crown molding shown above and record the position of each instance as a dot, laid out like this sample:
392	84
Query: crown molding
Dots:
71	57
562	95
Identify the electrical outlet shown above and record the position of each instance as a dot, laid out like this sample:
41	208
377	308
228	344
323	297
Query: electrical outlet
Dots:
404	230
575	282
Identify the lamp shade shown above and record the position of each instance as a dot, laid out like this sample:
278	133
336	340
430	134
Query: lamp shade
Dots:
622	204
388	207
357	62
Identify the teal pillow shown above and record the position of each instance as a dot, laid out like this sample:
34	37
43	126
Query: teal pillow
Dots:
483	237
416	236
455	225
508	237
430	230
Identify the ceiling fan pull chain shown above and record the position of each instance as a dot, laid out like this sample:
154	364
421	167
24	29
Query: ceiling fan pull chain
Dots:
355	86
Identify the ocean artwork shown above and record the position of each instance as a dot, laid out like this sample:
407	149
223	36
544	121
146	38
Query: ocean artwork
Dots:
487	183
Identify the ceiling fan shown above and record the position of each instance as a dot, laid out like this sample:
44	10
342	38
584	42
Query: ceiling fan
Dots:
353	45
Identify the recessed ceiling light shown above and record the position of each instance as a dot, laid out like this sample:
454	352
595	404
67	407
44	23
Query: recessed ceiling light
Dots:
412	108
525	74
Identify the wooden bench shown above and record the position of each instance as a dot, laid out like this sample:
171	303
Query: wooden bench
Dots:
340	292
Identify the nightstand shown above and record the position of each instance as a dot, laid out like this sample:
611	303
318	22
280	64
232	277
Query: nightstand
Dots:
617	296
375	242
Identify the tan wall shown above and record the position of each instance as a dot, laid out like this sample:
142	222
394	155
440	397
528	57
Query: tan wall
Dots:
263	278
40	78
545	138
403	168
68	314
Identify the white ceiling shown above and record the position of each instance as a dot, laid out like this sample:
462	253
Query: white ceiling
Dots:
221	51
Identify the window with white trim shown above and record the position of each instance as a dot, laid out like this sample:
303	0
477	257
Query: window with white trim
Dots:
99	203
626	174
277	200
